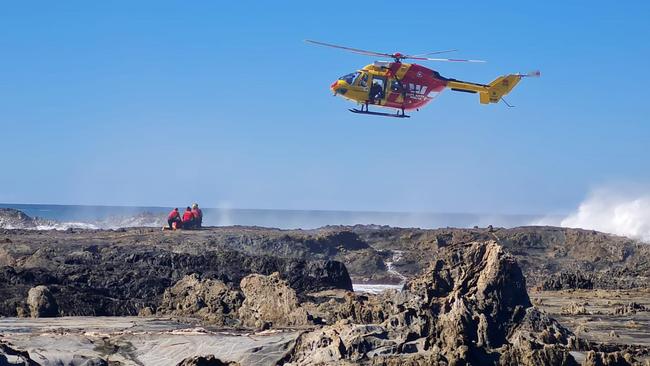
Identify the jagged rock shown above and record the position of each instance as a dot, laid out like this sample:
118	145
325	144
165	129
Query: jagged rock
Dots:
469	307
568	280
608	359
41	303
146	311
360	308
629	308
270	301
574	309
205	361
529	353
211	300
588	259
342	341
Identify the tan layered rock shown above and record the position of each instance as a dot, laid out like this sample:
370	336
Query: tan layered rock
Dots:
608	359
629	308
41	303
470	307
575	309
269	301
211	300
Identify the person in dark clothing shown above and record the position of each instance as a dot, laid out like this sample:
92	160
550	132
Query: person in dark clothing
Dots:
174	217
188	218
198	215
376	92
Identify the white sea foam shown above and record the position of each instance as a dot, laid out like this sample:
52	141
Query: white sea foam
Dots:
140	220
63	226
374	289
113	222
618	210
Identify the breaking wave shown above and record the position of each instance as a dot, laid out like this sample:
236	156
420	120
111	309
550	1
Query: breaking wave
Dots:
619	211
15	219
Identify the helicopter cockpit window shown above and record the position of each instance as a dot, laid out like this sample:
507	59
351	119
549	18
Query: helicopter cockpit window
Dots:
350	78
363	81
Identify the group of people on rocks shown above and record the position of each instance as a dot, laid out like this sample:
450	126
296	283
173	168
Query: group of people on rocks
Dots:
192	218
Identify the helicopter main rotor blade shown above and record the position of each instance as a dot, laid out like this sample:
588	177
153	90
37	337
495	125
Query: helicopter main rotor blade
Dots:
432	53
354	50
397	56
443	59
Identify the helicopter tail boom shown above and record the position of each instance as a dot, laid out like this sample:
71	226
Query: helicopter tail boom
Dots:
492	92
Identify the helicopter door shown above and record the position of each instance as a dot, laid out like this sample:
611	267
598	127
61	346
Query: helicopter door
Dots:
377	90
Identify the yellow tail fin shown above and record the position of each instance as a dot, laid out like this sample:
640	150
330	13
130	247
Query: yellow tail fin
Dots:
493	92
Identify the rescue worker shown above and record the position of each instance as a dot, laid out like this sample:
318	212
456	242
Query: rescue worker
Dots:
188	218
174	217
376	92
198	215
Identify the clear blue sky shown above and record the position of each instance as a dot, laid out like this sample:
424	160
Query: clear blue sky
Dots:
163	103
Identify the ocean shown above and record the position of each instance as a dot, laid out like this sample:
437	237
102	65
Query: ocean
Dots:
125	216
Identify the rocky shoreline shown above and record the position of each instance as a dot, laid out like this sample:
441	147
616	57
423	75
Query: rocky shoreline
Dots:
464	298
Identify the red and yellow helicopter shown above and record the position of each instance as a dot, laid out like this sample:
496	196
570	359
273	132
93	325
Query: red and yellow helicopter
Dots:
404	86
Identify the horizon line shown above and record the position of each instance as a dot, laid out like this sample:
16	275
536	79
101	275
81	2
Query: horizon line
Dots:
3	204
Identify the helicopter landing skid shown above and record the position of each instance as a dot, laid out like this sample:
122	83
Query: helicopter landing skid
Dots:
395	115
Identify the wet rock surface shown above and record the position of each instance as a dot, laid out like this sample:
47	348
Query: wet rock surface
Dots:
11	356
132	341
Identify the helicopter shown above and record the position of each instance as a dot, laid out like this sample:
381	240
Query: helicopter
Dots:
403	86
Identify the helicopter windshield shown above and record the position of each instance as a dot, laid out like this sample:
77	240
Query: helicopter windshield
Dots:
350	78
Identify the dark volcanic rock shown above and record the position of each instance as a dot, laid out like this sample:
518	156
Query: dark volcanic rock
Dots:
122	272
205	361
567	280
550	257
105	272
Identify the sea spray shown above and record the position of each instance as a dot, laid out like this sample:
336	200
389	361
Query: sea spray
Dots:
617	210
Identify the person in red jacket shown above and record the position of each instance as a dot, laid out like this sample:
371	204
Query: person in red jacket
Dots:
173	217
188	218
198	215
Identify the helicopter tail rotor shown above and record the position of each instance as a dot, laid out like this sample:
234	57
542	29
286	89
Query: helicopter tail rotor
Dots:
531	74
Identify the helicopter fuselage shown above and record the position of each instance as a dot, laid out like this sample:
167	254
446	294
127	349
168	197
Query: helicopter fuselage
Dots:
391	84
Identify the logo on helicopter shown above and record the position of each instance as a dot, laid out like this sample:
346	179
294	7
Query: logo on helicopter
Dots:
417	91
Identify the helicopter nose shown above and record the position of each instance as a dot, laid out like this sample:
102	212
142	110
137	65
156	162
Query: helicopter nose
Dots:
339	87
